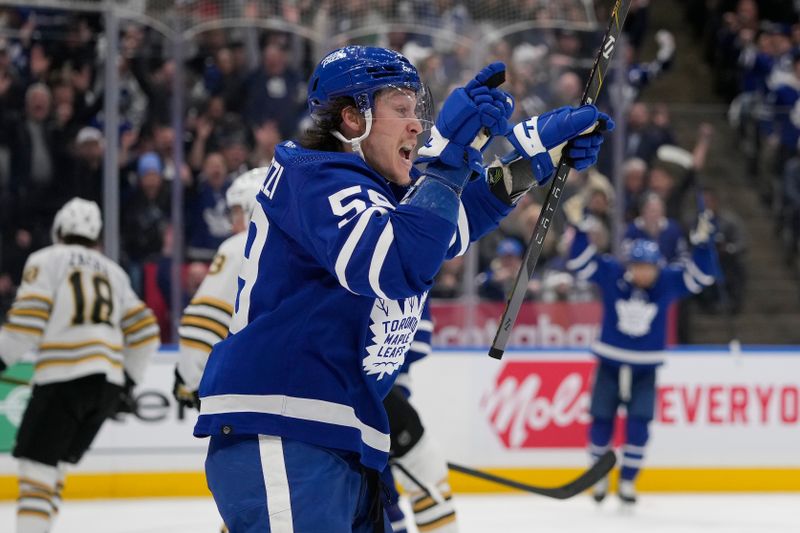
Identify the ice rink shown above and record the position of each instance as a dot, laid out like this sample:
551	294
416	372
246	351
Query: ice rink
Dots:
656	513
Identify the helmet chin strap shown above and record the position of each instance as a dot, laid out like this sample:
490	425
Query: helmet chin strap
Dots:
355	142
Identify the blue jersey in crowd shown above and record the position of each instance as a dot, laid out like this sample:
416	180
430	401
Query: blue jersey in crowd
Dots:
335	278
635	320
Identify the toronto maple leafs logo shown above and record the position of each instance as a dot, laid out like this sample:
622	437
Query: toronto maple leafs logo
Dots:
393	324
635	316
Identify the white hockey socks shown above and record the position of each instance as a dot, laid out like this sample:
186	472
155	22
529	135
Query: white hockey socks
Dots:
38	500
422	472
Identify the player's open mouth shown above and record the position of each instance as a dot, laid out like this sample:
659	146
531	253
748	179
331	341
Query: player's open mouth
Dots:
405	153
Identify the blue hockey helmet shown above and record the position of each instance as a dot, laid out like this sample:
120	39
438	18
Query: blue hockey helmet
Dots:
359	72
644	251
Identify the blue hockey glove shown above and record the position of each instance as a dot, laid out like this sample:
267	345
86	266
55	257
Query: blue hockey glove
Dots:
470	116
575	132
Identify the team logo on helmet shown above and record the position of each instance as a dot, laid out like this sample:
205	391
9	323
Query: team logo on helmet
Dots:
333	56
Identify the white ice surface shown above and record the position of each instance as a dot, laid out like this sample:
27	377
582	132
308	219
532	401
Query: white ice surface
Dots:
656	513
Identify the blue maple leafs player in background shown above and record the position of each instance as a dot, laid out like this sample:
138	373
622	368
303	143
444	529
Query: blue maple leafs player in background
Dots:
636	296
340	255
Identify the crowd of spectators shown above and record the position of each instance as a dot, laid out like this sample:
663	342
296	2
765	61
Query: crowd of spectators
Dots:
245	93
754	50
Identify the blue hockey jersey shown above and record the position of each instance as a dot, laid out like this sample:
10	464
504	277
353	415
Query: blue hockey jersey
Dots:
335	277
635	320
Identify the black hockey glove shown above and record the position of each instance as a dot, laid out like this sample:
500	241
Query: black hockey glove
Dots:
126	403
182	394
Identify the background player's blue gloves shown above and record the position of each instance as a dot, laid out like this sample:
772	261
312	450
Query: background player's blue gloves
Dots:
575	132
470	116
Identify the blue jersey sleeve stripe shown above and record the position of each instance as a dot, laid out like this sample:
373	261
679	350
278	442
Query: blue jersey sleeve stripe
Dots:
461	236
699	275
587	272
350	244
294	407
422	348
690	283
379	257
584	257
425	325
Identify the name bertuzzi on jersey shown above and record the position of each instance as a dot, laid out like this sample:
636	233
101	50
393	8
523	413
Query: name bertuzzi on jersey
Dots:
393	324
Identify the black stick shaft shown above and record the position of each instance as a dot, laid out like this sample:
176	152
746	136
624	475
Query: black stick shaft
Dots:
553	199
598	471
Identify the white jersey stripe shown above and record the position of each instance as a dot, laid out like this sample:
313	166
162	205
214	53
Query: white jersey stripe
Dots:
463	229
350	244
293	407
633	449
691	284
585	256
628	356
276	483
420	347
379	257
699	275
588	271
210	312
425	325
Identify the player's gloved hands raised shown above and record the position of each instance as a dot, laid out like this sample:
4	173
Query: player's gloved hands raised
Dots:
703	230
183	395
470	116
574	131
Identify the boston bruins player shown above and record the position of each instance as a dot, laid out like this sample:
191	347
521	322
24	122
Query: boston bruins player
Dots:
205	320
92	338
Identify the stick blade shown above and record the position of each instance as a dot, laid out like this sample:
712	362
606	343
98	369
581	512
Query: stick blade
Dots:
598	471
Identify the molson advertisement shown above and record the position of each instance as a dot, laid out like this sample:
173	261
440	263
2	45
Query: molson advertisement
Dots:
722	422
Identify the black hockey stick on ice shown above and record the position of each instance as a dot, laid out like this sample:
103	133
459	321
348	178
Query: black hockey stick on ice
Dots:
553	199
588	478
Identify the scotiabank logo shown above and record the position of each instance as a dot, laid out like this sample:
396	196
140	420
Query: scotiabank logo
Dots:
539	404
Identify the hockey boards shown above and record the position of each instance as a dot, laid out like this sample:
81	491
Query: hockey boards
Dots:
591	476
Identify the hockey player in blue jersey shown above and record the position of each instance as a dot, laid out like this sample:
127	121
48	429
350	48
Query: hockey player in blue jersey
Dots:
636	296
340	255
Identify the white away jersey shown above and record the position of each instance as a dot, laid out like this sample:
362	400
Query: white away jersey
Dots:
76	310
207	317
